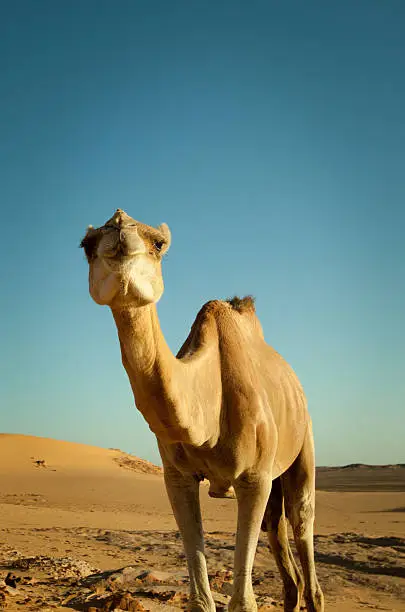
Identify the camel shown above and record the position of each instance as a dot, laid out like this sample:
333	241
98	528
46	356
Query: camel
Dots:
227	409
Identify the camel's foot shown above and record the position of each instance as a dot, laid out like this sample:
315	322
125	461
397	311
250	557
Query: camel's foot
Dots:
221	492
314	600
200	604
245	604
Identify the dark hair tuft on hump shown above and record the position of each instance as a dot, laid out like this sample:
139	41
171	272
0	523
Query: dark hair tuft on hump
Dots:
246	304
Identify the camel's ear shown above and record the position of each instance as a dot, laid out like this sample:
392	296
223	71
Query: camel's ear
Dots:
167	238
90	242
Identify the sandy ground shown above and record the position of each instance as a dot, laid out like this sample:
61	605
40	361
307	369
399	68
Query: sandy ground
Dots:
92	529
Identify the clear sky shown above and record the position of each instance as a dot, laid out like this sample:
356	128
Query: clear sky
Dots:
270	136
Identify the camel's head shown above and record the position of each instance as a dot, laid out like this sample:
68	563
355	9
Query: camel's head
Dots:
125	261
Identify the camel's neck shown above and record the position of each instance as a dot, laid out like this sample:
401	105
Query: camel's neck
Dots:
173	396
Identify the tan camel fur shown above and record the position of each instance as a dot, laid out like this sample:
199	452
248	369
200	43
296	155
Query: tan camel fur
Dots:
228	409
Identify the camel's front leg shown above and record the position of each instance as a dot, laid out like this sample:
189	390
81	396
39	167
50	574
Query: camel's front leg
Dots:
252	493
183	493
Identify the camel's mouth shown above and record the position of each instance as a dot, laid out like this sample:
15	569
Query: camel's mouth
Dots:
120	263
120	245
121	254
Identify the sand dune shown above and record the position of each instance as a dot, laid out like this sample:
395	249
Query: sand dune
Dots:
19	452
69	512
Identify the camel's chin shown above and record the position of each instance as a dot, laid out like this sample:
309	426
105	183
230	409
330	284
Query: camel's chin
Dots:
104	292
140	283
118	288
142	292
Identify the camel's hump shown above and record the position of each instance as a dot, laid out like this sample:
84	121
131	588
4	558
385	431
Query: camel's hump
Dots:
245	304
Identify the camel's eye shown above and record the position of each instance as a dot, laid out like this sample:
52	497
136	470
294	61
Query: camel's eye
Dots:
158	244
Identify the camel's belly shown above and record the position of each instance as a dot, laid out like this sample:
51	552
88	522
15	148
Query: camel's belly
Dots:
224	463
291	435
269	441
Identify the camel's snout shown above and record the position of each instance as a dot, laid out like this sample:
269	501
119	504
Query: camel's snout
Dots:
122	242
120	219
130	243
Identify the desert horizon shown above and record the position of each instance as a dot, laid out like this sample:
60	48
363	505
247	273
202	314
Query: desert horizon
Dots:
320	467
88	528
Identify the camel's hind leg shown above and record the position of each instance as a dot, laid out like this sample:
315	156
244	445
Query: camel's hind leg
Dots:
252	492
276	526
299	494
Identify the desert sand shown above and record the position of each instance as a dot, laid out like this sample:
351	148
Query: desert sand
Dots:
86	528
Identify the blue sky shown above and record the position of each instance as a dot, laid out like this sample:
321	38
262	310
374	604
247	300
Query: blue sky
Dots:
270	136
